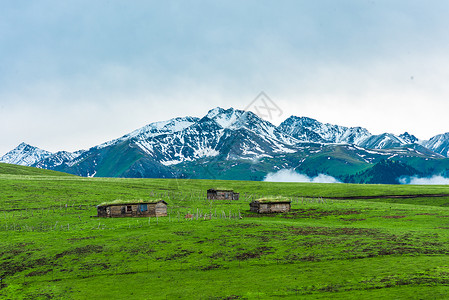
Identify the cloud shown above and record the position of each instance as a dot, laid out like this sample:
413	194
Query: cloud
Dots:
436	180
290	175
152	61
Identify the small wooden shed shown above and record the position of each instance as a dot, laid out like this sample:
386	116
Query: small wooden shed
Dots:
222	194
267	205
120	208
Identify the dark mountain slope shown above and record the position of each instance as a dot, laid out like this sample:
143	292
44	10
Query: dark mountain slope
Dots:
384	172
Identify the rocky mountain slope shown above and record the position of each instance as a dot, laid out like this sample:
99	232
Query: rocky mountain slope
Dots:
25	155
236	144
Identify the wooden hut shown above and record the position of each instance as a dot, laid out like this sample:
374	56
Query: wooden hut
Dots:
118	208
273	205
222	194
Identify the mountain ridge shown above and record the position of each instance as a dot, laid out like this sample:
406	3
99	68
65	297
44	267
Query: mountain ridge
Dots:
162	149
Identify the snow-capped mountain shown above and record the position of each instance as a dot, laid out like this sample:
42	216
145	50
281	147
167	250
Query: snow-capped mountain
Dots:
223	133
438	144
310	130
57	159
155	129
382	141
230	133
408	138
230	139
25	155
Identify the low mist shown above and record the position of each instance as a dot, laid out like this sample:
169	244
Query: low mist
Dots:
290	175
435	179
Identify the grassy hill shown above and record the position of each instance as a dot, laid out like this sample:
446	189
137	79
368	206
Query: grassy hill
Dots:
23	170
51	247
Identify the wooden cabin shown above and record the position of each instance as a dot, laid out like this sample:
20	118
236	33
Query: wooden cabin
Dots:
219	194
266	206
152	208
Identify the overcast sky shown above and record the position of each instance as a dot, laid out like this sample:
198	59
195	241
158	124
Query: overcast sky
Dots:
74	74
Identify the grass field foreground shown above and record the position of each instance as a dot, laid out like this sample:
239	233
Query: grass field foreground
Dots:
52	247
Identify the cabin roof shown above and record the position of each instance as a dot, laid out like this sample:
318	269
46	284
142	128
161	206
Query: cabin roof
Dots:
130	202
220	190
273	200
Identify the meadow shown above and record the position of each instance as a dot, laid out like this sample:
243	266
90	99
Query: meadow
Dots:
331	245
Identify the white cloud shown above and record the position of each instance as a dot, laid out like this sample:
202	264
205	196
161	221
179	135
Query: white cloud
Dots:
436	180
289	175
350	59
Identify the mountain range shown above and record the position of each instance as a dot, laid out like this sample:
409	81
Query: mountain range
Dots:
237	144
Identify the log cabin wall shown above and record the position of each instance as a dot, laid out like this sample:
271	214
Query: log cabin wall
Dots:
158	209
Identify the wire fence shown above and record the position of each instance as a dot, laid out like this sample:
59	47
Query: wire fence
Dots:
69	217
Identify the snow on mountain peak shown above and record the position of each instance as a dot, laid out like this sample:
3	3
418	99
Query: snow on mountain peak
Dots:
25	155
170	126
227	119
224	118
214	112
408	138
438	144
311	130
154	129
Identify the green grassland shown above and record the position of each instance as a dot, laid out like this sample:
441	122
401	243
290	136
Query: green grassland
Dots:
23	170
52	247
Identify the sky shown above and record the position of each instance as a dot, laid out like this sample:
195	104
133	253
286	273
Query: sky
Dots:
74	74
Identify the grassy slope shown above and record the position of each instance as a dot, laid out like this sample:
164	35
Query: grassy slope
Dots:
22	170
335	162
51	247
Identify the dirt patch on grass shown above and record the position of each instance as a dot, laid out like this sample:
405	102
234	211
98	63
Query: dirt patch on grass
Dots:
164	242
247	225
14	250
256	253
179	254
301	213
316	213
8	268
80	251
182	233
232	297
295	257
330	231
393	217
218	254
38	273
92	266
82	238
40	262
248	255
210	267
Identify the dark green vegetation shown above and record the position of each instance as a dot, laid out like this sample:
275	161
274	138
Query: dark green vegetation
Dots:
51	247
121	160
386	171
346	163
